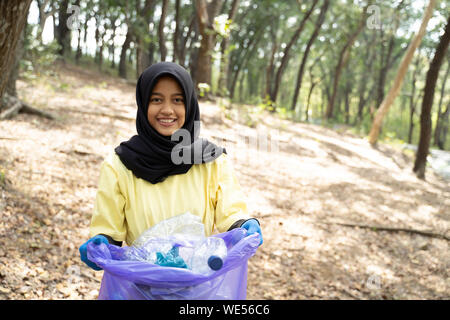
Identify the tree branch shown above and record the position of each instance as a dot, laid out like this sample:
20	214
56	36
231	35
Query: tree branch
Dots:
390	229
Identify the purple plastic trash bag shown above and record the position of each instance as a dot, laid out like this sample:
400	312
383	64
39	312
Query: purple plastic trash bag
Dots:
139	280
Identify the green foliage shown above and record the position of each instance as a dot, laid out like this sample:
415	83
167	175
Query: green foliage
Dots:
203	89
257	35
38	57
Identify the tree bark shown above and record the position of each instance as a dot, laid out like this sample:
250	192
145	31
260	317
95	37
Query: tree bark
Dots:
162	38
438	129
205	17
387	59
63	34
123	54
427	103
412	100
444	128
176	34
13	17
182	51
398	81
44	14
14	74
273	29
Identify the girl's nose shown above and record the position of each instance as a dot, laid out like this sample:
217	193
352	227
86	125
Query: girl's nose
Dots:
167	107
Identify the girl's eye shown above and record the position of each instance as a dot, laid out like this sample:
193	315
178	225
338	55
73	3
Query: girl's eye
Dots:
155	100
178	100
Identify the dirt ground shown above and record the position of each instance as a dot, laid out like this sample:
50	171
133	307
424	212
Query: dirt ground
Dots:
309	186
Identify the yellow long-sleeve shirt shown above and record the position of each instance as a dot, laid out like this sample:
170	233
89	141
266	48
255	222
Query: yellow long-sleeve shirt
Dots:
126	206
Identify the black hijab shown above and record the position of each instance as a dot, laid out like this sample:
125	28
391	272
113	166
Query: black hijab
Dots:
152	156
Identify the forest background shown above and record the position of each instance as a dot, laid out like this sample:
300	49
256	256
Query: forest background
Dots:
357	91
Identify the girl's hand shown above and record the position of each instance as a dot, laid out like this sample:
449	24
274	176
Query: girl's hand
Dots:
83	250
252	227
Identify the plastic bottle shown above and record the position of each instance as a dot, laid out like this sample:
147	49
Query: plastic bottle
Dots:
208	256
147	252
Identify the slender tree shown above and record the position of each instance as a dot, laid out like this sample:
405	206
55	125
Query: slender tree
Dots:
311	40
13	17
63	32
402	69
441	118
224	54
286	52
427	103
344	55
206	12
161	36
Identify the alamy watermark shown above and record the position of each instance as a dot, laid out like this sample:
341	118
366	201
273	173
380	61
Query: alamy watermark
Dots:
73	21
373	282
248	146
373	21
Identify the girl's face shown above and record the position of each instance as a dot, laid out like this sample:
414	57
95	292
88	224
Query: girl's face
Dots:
166	109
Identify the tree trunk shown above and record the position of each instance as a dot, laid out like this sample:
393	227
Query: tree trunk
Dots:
224	55
43	15
313	37
162	38
438	128
271	66
123	55
13	17
285	59
14	74
205	17
444	128
242	61
313	84
412	100
388	59
85	31
427	103
176	34
112	48
193	52
100	50
63	35
182	54
342	61
398	81
348	90
78	52
363	98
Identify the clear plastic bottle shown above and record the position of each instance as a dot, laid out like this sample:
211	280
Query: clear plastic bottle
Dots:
147	252
208	256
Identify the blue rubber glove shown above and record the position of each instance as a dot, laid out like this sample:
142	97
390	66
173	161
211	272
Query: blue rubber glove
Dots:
83	250
252	227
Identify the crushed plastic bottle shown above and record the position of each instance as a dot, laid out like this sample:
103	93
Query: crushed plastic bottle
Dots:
208	256
170	259
147	252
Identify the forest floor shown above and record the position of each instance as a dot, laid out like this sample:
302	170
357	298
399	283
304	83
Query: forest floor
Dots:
324	199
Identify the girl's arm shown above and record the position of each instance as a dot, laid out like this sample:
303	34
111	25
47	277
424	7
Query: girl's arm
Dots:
108	218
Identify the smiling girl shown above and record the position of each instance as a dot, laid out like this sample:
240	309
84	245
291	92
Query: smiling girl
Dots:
140	185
